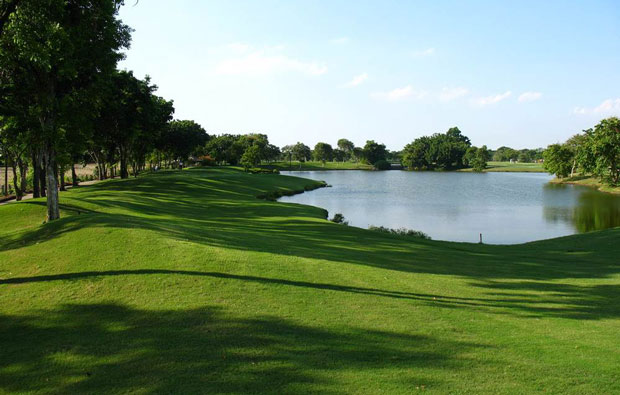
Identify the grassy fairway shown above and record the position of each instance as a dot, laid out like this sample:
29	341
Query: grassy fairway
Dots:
184	282
304	166
513	167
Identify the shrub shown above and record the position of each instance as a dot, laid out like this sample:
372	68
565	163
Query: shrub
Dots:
400	232
339	219
206	160
382	165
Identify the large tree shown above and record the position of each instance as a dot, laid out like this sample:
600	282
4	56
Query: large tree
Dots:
602	146
322	152
373	152
49	49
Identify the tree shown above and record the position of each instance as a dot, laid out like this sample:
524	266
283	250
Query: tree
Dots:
602	145
577	145
416	154
346	146
443	151
373	152
182	137
251	157
322	152
301	152
476	158
48	51
505	154
558	160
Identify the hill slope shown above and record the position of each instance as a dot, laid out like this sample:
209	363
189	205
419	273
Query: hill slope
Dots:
185	282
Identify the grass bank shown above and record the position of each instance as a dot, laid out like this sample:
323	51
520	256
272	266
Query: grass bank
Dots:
512	167
588	182
185	282
305	166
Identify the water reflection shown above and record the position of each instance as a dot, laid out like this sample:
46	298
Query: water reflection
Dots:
505	207
583	208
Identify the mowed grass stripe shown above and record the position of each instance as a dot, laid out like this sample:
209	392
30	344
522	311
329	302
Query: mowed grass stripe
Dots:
185	282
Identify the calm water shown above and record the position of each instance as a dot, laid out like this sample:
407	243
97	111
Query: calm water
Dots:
506	208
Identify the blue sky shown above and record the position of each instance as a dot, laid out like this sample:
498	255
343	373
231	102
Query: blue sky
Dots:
522	74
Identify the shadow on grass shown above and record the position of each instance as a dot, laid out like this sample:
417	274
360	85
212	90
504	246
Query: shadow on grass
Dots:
218	208
102	348
550	300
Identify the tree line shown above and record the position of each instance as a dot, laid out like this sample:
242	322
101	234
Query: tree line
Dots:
595	151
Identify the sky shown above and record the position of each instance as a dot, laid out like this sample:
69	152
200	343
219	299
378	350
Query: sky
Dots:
523	74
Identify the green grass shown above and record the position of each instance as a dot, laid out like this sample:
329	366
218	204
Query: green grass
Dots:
184	282
588	181
512	167
304	166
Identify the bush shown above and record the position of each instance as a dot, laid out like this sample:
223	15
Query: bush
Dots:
400	232
339	219
382	165
206	160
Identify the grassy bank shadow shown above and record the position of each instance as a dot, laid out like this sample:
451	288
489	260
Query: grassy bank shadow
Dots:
111	348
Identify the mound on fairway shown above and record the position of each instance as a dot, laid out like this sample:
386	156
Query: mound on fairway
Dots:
185	282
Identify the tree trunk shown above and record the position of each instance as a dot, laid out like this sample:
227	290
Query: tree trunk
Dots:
123	155
61	175
18	191
6	175
74	180
49	154
23	173
35	175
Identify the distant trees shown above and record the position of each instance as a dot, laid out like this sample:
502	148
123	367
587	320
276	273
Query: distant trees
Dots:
558	160
373	152
346	147
596	152
251	157
601	151
476	158
301	152
439	151
322	152
181	138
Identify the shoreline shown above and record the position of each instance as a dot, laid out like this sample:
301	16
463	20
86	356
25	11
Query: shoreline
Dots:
589	182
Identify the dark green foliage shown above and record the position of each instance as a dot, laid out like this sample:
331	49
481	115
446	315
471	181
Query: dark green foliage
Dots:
476	158
601	153
382	165
400	232
439	151
322	152
339	219
373	152
251	157
181	138
558	160
301	152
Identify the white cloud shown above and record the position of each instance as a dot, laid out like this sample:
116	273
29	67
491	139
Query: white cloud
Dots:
259	63
529	96
399	94
449	94
340	40
424	52
357	80
607	107
485	101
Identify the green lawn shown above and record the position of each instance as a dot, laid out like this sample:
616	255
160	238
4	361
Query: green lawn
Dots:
589	182
294	165
184	282
513	167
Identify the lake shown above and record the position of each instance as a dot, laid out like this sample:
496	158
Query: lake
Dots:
507	208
